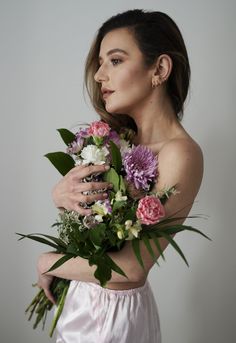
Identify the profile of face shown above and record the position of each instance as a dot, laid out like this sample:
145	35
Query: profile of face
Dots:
123	72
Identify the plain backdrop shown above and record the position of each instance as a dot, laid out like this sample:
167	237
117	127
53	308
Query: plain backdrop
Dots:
43	46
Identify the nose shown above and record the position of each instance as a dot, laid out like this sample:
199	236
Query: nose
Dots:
100	75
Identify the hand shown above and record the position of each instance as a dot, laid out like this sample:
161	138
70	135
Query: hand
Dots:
44	280
67	193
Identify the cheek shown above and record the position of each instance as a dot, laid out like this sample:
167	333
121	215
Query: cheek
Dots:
133	81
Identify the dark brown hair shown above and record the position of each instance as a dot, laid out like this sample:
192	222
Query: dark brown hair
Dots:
156	34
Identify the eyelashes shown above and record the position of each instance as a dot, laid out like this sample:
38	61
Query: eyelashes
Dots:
113	60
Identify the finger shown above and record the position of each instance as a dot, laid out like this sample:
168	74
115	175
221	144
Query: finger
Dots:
92	197
49	295
80	173
93	186
81	210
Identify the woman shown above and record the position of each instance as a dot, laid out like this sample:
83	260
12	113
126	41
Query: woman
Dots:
137	75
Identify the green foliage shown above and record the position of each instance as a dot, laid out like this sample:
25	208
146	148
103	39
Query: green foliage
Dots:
116	157
112	177
61	161
67	136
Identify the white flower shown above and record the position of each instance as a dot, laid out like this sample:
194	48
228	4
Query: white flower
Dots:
120	233
124	147
133	230
100	208
98	218
93	154
120	197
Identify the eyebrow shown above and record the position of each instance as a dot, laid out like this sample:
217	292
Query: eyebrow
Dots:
114	50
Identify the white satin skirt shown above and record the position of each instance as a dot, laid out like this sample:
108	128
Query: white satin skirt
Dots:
93	314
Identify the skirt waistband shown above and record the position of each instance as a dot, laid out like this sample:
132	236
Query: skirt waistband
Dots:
120	292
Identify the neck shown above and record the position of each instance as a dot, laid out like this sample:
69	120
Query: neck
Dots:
156	122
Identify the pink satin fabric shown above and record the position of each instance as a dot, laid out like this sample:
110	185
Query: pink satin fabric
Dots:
95	314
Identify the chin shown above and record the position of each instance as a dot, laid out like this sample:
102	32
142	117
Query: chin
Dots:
116	109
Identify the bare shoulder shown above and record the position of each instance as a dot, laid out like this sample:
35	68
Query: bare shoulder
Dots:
181	151
180	163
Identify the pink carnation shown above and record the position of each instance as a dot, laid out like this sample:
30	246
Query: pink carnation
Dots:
150	210
99	129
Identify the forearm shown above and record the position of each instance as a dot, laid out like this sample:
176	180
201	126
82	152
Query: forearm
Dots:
79	269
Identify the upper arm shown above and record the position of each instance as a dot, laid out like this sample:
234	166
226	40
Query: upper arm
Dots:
180	163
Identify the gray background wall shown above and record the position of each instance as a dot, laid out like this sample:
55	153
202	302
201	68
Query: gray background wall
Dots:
43	45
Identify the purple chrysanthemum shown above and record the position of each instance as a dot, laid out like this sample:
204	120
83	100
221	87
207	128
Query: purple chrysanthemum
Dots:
140	165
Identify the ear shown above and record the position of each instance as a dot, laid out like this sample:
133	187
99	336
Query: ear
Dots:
162	68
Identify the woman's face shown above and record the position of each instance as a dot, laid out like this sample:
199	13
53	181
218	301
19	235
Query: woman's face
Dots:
123	72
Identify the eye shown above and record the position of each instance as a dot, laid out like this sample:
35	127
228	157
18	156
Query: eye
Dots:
116	61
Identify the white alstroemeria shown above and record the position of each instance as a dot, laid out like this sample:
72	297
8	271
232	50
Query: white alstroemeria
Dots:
120	233
99	208
120	197
99	218
124	147
92	154
133	229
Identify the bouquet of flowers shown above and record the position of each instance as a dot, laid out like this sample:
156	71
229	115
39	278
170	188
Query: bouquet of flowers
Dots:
133	210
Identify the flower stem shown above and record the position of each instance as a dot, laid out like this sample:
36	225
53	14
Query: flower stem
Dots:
59	309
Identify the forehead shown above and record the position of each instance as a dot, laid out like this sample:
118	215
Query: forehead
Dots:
119	39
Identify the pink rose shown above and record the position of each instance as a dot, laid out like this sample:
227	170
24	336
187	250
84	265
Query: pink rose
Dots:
99	129
150	210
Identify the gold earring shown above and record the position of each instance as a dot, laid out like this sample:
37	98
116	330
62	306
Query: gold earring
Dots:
155	83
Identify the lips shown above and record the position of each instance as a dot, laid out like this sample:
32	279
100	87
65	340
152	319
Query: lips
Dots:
106	92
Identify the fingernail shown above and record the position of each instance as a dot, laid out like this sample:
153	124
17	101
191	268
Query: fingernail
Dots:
110	185
107	167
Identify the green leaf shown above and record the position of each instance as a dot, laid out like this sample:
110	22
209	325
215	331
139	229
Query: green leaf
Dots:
175	246
103	270
59	309
149	248
112	177
116	157
56	240
61	161
97	234
118	204
40	240
190	228
61	261
114	266
130	214
156	241
136	249
122	185
67	136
